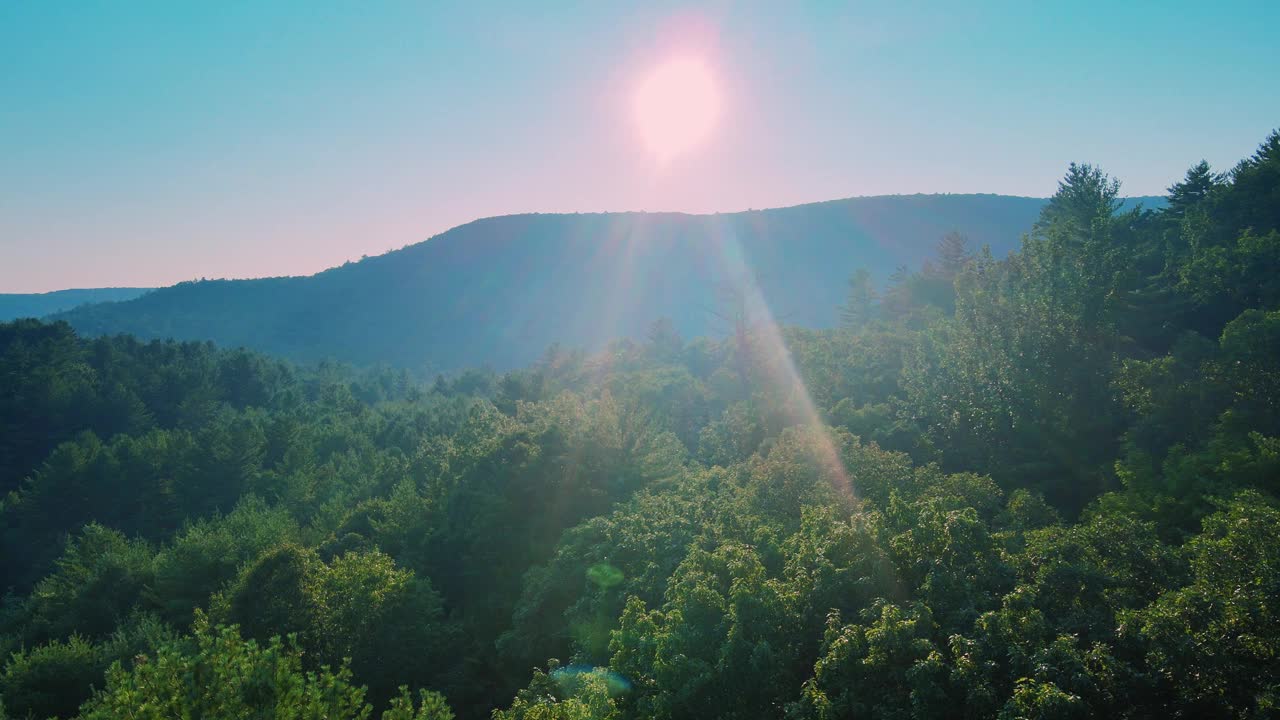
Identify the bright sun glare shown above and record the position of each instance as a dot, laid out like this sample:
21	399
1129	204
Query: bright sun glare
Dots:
677	106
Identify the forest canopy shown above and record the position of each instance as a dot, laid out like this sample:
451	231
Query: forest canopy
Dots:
1040	486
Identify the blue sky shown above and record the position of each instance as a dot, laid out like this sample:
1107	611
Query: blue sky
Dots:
144	143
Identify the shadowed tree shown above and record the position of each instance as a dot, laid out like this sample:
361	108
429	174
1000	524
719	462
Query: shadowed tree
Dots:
860	306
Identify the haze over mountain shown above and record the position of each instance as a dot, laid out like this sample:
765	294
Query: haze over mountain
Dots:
500	291
18	305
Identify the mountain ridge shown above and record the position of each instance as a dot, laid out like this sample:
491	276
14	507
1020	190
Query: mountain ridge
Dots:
500	290
16	305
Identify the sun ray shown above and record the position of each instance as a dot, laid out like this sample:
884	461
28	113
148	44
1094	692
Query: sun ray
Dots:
780	368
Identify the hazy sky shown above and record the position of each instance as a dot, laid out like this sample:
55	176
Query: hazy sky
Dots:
144	143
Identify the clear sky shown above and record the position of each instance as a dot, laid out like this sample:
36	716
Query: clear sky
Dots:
144	143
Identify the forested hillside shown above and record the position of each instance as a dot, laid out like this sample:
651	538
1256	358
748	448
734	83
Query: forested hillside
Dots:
1037	487
499	291
18	305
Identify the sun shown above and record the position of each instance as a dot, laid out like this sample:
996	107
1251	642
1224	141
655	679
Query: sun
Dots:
677	106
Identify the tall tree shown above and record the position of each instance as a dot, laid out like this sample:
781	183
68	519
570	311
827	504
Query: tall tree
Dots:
899	296
1085	196
861	306
1199	183
953	254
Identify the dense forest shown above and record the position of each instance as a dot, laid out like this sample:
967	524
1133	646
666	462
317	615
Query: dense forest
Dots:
1041	486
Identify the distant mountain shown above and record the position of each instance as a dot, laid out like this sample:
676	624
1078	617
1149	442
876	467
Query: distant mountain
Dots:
499	291
17	305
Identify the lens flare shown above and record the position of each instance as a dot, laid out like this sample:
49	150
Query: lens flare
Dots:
604	575
569	678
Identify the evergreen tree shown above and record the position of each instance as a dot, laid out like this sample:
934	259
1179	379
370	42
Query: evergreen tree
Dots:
1197	187
861	306
953	255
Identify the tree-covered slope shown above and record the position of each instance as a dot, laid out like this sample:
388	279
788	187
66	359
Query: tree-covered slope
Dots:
1039	486
499	291
35	305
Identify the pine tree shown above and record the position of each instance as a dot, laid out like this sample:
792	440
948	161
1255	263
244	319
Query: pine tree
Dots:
899	296
1085	196
861	306
953	254
1192	190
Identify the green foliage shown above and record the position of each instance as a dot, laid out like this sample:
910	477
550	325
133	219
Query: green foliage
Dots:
1080	576
1086	197
565	694
719	644
1037	700
388	622
359	608
1216	642
951	561
215	674
98	582
430	706
1194	190
860	308
208	553
562	610
270	597
52	680
886	668
1043	486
